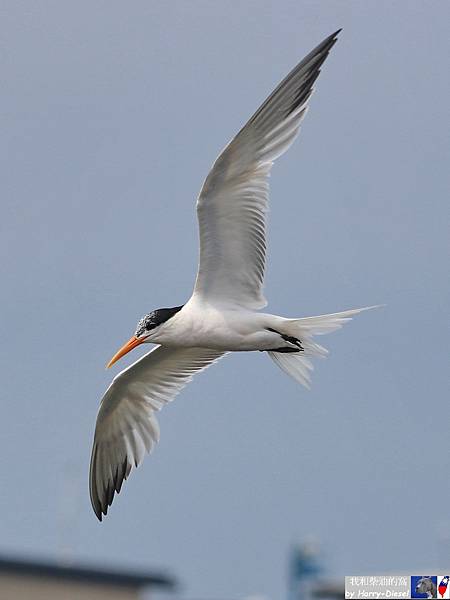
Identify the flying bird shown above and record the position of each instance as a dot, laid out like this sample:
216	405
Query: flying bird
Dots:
222	314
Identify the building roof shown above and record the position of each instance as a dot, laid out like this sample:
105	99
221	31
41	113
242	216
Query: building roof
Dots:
329	589
84	574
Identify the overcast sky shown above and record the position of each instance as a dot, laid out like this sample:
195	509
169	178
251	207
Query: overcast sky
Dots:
111	115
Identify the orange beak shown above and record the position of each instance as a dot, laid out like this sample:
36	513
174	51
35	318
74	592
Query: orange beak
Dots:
132	343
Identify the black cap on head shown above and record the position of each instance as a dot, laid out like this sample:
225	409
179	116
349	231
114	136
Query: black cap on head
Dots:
155	318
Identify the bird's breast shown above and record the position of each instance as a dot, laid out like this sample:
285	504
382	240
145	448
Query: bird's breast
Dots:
210	327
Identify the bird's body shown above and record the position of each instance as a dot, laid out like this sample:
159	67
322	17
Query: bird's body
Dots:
222	314
203	325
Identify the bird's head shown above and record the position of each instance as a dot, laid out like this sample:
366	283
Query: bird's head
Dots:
146	331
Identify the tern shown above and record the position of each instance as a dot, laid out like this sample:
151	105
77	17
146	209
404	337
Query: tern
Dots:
222	314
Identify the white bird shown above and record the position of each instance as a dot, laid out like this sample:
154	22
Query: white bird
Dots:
222	314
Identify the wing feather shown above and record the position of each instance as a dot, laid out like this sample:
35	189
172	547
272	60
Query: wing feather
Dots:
233	202
126	425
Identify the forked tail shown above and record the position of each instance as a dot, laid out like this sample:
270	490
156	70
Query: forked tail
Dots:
298	364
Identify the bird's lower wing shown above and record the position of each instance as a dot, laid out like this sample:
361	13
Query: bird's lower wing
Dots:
126	425
233	202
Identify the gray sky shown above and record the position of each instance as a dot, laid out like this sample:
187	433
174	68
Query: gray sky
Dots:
111	115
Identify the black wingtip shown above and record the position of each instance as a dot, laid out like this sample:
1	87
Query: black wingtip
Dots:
335	34
97	512
332	39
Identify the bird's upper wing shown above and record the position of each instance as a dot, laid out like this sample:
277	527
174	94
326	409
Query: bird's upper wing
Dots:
233	202
126	424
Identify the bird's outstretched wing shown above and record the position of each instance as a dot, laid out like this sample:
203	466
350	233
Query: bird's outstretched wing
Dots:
233	202
126	425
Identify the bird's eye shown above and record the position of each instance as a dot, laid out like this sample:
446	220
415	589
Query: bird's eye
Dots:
150	326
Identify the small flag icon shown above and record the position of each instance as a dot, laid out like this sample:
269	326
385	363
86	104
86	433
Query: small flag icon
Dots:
443	587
